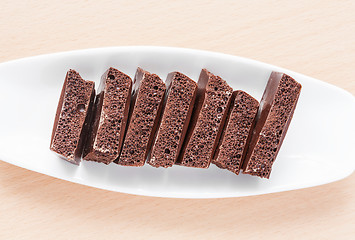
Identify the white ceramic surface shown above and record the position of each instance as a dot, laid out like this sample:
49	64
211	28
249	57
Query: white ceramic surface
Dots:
317	149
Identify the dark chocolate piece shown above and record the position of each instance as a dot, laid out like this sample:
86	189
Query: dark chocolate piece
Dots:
109	118
233	143
177	110
274	115
209	114
147	98
73	117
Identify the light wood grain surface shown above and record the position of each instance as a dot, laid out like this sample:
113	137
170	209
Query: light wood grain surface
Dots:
316	38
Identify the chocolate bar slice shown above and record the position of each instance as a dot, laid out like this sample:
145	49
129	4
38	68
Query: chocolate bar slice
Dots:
109	118
210	111
178	106
147	100
73	116
273	118
233	143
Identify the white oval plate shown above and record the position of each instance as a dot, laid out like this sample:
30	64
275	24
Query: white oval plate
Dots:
318	147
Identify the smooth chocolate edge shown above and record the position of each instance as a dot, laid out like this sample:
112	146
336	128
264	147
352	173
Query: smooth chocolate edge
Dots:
168	83
199	99
94	124
262	114
85	128
139	75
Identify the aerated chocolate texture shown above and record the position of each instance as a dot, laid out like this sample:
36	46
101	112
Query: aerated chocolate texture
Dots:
109	118
72	118
176	116
190	125
233	144
275	113
211	107
147	101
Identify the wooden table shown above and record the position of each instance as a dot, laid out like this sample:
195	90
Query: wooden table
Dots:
316	38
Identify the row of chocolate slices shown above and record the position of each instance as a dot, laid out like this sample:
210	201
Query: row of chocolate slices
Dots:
180	122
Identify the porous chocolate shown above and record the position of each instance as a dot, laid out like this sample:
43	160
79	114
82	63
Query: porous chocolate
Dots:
210	111
177	110
73	116
233	143
273	118
109	118
147	99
